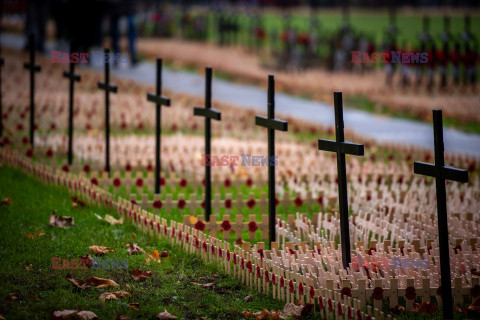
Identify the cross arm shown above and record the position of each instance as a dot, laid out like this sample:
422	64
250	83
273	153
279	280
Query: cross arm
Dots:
345	147
275	124
35	67
455	174
208	113
426	169
111	87
74	76
158	99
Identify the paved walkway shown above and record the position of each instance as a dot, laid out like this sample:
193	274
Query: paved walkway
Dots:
381	128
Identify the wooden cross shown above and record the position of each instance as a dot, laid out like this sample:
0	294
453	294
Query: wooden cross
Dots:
271	124
108	87
441	172
73	77
33	68
159	101
209	114
341	147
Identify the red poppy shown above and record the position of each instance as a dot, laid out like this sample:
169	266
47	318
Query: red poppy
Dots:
226	225
86	168
291	251
149	167
65	168
162	181
133	201
251	203
196	243
260	252
228	255
145	221
273	278
249	265
266	276
158	226
213	249
277	202
300	288
234	258
227	183
346	291
203	204
359	314
157	204
220	252
249	182
312	292
186	238
368	318
49	153
410	293
6	140
242	263
320	302
117	182
282	282
339	309
377	293
371	250
290	286
349	312
151	223
183	183
139	182
204	246
258	272
228	203
181	204
298	202
200	225
330	305
165	230
128	167
252	226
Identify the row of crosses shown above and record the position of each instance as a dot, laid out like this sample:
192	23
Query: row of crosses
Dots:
439	170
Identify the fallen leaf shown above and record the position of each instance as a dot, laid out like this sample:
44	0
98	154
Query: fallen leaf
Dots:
110	219
35	235
61	221
205	285
165	315
64	314
77	202
6	202
86	259
475	305
11	297
2	318
29	267
248	298
86	315
292	311
135	306
99	250
133	248
114	295
103	283
80	284
165	254
140	275
153	256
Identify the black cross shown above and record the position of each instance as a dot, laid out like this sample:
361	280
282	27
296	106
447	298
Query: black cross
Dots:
73	77
272	124
33	68
108	87
441	172
1	112
160	101
209	114
341	147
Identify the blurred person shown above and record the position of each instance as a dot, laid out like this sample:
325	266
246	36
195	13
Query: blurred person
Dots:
470	61
455	57
36	23
432	61
442	57
116	10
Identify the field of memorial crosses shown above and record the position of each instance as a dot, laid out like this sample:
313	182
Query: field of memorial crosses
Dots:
391	210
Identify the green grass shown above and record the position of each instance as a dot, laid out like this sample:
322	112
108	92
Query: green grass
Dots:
43	290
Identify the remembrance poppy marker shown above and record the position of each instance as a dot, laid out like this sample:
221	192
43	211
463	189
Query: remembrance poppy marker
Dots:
73	77
108	87
159	101
209	114
33	68
271	124
341	147
441	172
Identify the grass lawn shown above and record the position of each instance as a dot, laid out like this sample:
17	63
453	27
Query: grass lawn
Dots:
43	290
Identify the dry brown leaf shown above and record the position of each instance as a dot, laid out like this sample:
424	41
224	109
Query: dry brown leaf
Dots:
11	297
86	315
6	202
35	235
80	284
103	283
114	295
153	256
292	311
140	275
165	254
133	248
475	305
86	260
29	267
205	285
135	306
61	221
165	315
248	298
110	219
2	318
99	250
64	314
77	202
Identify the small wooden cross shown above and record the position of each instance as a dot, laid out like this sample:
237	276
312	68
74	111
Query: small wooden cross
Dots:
271	124
159	101
209	114
441	172
33	68
341	147
73	77
108	87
